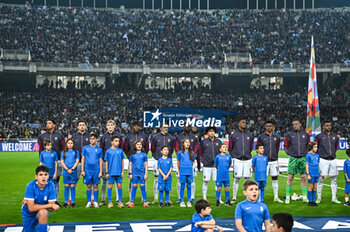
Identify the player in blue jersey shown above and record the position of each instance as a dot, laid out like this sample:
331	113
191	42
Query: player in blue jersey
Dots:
282	222
39	199
138	172
185	159
115	170
202	220
69	160
165	167
346	171
312	165
259	166
49	158
223	163
251	214
91	168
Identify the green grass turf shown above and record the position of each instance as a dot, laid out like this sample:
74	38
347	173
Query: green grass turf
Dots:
17	169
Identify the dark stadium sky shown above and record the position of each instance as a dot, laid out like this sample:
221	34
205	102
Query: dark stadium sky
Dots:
214	4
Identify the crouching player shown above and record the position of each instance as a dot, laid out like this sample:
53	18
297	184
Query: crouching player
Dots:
39	199
91	168
202	219
115	170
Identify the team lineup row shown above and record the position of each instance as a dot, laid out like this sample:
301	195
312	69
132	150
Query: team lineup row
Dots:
211	151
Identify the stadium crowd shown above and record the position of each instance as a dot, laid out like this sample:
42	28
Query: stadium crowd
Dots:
174	37
23	114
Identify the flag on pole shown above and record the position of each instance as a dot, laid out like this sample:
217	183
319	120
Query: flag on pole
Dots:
313	124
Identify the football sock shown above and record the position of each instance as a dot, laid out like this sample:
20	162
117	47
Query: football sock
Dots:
161	193
205	189
155	188
178	188
313	195
346	199
334	187
117	197
218	195
189	192
133	193
182	192
66	194
275	188
72	193
120	194
320	187
227	194
235	188
304	191
103	190
144	195
42	227
193	189
262	194
88	195
288	190
309	193
109	194
167	196
96	195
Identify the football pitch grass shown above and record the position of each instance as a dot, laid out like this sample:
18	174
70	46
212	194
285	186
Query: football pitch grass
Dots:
17	169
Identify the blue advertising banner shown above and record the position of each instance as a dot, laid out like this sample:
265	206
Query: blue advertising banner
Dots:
177	117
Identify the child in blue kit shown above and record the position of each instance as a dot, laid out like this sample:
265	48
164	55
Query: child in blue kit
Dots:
39	199
312	165
185	159
223	163
49	158
165	167
115	170
250	214
69	160
259	166
202	220
346	171
138	172
91	168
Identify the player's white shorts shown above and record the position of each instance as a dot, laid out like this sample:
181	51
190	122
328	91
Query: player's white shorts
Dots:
208	173
272	168
59	168
328	167
155	168
242	168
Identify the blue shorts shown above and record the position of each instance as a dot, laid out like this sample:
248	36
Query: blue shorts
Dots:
116	179
347	187
30	223
164	187
186	179
91	178
138	180
220	183
314	179
261	184
69	178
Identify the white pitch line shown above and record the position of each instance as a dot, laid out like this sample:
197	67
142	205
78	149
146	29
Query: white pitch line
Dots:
297	178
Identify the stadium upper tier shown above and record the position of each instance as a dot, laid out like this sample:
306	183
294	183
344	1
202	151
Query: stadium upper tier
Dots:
174	37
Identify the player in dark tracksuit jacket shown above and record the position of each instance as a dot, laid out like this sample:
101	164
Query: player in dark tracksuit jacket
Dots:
105	143
296	146
132	137
158	141
208	150
240	146
186	134
81	139
58	144
271	143
327	142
